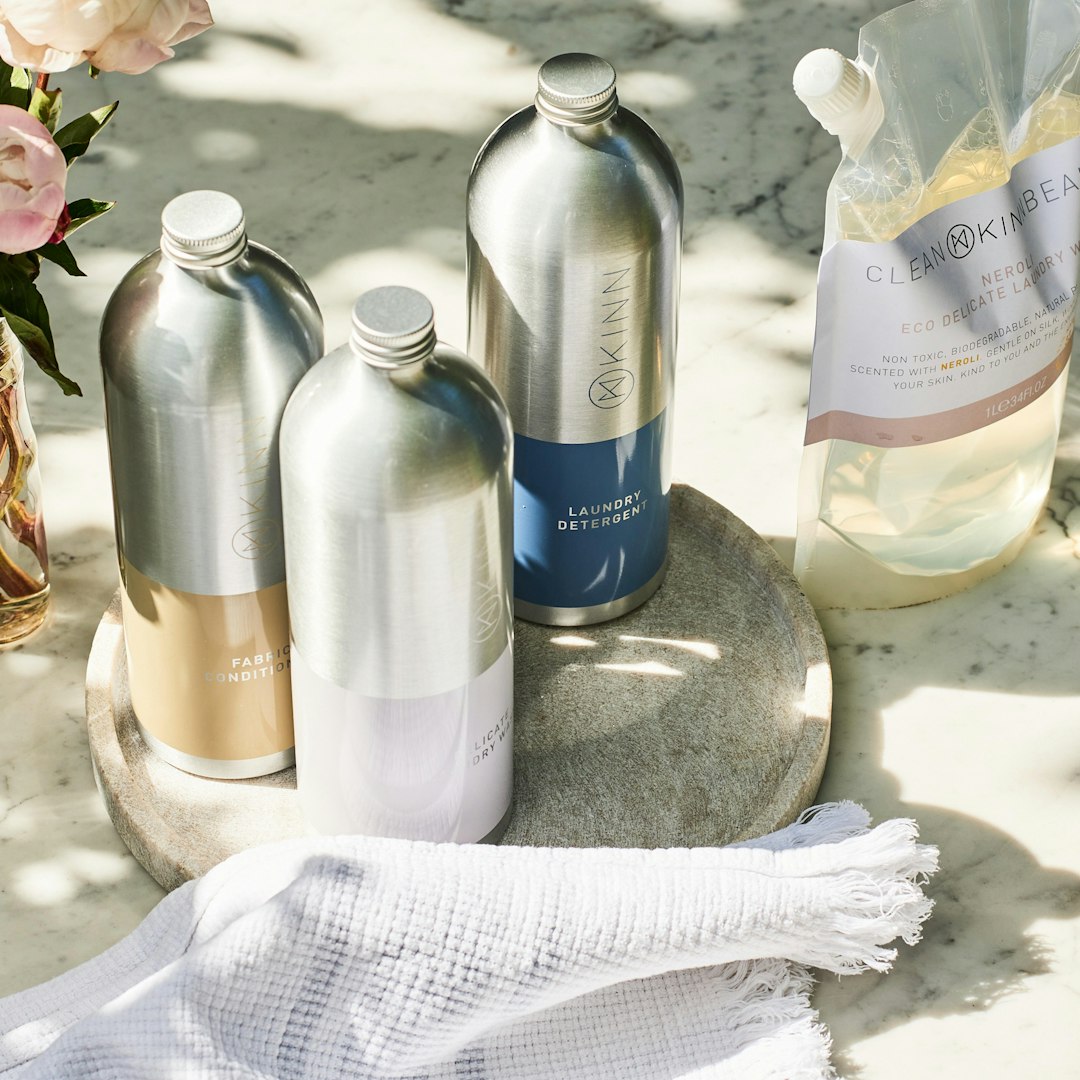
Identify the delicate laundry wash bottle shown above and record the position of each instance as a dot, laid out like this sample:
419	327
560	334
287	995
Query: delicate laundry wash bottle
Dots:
574	234
201	344
396	476
946	297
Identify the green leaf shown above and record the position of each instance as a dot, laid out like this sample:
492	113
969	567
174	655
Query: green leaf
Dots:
62	256
40	347
74	138
19	295
23	307
83	211
45	105
27	262
15	86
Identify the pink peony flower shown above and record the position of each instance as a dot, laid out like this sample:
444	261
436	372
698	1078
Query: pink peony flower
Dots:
113	35
33	173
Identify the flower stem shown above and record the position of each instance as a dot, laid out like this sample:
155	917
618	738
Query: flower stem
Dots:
43	81
16	583
14	517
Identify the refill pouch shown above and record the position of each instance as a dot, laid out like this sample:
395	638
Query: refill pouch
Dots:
946	296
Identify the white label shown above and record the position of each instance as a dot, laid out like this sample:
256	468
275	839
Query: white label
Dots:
435	768
963	318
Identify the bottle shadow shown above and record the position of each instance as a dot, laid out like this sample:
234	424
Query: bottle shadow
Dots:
980	682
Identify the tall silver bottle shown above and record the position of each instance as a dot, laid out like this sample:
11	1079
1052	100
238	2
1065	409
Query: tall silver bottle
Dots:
201	344
574	242
396	480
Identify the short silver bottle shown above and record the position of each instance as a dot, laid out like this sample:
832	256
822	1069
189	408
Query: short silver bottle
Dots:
574	241
202	343
396	479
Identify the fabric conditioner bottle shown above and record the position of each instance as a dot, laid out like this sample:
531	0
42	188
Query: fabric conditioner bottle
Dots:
202	343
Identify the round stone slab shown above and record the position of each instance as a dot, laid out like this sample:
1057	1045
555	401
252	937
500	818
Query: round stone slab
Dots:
702	718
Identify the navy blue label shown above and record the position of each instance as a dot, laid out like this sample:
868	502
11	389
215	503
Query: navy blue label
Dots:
590	519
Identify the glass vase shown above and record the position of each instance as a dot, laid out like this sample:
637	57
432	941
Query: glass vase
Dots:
24	560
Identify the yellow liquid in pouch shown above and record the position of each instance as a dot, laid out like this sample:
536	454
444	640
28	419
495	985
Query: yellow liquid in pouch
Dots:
910	524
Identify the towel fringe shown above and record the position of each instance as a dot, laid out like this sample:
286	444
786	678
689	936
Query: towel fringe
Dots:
877	897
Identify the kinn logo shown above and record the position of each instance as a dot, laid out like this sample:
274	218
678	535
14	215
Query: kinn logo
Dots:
961	240
616	298
255	539
488	611
612	388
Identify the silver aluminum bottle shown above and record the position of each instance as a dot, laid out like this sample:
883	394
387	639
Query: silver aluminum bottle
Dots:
396	479
201	345
574	241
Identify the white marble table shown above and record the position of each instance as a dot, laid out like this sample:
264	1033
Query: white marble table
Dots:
349	140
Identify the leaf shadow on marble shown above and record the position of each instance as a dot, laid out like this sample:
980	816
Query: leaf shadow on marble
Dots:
325	189
996	649
60	856
978	947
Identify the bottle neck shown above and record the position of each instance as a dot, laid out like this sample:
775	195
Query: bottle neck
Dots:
203	260
577	116
393	357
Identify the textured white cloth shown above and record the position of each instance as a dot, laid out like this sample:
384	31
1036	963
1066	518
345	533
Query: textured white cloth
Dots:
354	957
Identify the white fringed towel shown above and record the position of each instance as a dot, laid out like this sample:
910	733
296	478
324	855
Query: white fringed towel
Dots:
356	958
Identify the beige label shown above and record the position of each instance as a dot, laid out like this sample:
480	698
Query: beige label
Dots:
209	675
910	431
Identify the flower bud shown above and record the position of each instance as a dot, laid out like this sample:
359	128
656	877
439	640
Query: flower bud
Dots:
33	174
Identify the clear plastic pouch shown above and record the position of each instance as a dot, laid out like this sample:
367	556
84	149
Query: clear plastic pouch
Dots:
946	297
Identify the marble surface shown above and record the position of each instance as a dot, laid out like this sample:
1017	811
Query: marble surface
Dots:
349	140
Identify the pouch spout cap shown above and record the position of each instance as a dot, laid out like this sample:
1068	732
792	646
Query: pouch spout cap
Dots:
841	95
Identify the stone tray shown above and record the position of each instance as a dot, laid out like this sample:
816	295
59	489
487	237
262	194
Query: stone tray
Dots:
701	718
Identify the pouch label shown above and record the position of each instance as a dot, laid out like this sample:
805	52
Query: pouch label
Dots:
965	317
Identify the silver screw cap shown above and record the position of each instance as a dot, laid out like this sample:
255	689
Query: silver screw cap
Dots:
576	88
393	326
203	228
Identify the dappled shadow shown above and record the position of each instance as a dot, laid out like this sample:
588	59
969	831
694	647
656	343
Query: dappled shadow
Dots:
335	169
68	886
359	179
980	661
